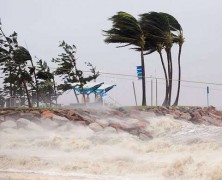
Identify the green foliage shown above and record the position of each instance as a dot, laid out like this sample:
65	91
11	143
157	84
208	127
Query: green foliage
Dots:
67	66
153	31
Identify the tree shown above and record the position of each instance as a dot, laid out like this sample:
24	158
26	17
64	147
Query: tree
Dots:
67	69
47	87
159	27
14	59
154	42
20	57
127	30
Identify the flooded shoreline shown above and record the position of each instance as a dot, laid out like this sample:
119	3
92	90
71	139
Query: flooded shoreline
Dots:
66	150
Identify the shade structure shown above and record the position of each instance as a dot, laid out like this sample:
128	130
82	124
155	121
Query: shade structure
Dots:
87	88
104	89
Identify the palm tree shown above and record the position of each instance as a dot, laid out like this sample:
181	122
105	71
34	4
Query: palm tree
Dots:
158	29
127	30
154	42
179	39
180	42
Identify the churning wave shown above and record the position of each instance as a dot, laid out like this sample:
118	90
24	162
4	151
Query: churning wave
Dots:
178	150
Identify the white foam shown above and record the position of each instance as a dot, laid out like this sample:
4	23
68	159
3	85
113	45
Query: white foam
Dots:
179	150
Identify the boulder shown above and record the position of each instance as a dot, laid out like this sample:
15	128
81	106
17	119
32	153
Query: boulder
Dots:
21	122
3	112
150	114
82	123
59	118
215	116
212	121
12	116
110	130
95	127
196	116
27	115
9	124
185	116
102	122
144	137
71	113
47	114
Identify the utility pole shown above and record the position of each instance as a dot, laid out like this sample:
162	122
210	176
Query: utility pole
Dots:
134	93
208	91
151	91
156	93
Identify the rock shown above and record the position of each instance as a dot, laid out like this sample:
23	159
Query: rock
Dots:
71	113
83	123
185	116
134	132
163	108
9	124
170	115
110	130
12	116
212	121
36	114
102	122
47	114
215	116
137	123
196	116
144	137
27	115
2	118
21	122
95	127
3	112
177	113
59	118
150	114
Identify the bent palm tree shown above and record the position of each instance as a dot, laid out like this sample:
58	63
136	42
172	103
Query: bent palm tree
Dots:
154	42
156	28
179	39
127	30
159	28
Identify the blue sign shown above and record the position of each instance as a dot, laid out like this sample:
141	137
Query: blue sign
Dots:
139	72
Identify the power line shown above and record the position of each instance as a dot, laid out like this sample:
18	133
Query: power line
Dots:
158	78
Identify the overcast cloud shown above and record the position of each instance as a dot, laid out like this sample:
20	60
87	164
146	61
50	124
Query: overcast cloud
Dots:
41	24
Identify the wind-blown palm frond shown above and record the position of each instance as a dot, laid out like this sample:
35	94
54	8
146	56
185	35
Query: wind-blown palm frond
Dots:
125	30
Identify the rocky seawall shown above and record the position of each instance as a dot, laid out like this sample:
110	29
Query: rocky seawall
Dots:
116	120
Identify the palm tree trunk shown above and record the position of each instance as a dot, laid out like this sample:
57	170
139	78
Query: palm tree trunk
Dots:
143	80
166	79
170	77
179	77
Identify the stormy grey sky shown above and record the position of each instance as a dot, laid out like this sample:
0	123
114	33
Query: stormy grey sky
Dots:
41	24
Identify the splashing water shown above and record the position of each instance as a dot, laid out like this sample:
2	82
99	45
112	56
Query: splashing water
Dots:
178	150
